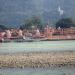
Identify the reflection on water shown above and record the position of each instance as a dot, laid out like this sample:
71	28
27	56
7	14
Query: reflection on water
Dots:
61	71
37	46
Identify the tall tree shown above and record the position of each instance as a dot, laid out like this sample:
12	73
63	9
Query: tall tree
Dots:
65	23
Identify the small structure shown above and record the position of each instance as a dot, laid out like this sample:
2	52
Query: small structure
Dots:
48	31
20	33
2	34
37	33
8	34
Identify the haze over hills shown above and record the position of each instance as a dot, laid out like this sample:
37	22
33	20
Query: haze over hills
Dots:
14	12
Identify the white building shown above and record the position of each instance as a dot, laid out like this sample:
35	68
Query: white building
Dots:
20	33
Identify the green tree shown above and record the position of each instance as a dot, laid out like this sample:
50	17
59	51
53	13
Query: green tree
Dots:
34	21
3	27
65	23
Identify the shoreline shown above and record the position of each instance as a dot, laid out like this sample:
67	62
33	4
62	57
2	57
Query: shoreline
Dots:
37	60
34	40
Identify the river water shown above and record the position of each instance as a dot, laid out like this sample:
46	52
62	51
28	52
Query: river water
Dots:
57	71
42	46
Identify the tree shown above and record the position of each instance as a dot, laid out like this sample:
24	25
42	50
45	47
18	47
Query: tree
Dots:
65	23
34	21
3	27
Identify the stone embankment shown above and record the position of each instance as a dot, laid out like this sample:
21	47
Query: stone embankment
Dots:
37	60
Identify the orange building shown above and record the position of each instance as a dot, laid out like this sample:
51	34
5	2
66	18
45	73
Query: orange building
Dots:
48	32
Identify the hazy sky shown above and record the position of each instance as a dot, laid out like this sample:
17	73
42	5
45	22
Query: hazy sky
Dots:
14	12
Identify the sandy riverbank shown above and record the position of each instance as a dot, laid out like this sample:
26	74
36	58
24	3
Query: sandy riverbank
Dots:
37	60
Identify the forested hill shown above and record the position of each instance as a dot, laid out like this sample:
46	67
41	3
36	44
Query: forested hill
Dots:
14	12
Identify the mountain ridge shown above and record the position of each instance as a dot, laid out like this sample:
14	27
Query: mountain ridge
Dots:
14	12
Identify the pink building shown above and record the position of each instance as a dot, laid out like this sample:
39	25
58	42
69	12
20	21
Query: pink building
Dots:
8	34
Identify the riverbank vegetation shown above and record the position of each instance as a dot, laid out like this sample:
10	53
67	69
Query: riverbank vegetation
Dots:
36	22
38	60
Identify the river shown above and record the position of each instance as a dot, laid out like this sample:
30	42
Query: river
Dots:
29	71
43	46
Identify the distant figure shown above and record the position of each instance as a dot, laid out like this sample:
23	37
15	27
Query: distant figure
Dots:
61	12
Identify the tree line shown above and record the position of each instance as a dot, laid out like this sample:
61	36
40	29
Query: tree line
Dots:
37	23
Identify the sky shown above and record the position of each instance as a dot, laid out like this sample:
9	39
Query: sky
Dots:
14	12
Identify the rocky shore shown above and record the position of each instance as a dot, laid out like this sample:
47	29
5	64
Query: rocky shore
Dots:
37	60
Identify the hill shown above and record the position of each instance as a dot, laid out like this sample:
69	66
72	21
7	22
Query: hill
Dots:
14	12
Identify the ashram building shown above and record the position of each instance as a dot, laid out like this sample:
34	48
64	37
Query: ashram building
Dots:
53	33
2	33
49	33
8	34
